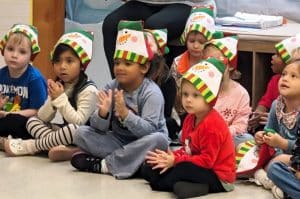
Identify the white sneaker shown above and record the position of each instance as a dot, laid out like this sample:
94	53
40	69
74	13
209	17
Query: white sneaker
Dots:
16	147
261	176
277	192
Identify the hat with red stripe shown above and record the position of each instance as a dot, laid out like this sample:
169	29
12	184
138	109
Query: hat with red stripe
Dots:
286	47
81	42
161	38
201	20
206	76
30	31
131	42
228	46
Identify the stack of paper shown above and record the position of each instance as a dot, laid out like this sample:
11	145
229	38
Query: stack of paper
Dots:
241	19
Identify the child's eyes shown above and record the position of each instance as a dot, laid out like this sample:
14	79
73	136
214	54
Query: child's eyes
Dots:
23	52
69	61
9	48
196	95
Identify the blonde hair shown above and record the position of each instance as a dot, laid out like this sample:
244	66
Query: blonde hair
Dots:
17	38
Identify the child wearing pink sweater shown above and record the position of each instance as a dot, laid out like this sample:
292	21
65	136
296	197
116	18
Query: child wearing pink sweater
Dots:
233	102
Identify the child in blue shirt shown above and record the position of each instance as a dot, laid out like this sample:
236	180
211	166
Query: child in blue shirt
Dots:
23	89
283	119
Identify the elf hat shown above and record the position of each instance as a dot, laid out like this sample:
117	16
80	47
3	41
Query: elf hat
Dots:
228	46
201	20
81	42
161	38
286	46
206	76
30	31
131	42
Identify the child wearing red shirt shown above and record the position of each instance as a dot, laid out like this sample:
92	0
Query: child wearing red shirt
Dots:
206	161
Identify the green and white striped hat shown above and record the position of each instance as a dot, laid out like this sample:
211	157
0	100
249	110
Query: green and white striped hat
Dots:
228	46
206	76
81	42
286	47
131	42
30	31
161	38
201	20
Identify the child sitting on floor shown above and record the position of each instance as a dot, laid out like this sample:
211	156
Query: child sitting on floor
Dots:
130	117
205	163
233	101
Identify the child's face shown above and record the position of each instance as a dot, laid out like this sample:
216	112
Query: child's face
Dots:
277	64
212	51
192	100
129	74
290	80
67	68
17	52
195	44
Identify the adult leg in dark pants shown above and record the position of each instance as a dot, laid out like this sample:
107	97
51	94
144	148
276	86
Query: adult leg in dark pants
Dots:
154	16
132	10
206	179
14	125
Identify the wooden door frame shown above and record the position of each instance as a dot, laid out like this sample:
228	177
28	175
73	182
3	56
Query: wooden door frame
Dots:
48	16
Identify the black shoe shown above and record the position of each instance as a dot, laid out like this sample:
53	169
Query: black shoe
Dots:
85	162
183	189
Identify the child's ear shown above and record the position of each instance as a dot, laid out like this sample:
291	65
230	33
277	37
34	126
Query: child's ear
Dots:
145	68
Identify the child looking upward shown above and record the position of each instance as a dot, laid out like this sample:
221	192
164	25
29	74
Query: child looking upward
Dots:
284	53
284	119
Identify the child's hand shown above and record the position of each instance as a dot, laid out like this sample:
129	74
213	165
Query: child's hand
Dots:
297	174
120	106
253	122
161	159
105	100
263	118
273	139
55	89
3	100
257	118
259	137
3	114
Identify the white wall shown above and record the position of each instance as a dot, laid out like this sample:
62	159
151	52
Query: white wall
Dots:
13	11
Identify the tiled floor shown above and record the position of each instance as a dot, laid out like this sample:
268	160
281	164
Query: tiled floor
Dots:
37	178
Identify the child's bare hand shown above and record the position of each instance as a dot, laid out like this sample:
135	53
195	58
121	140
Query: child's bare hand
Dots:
105	100
55	89
297	174
3	114
253	122
263	118
259	137
120	106
161	160
3	100
273	140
